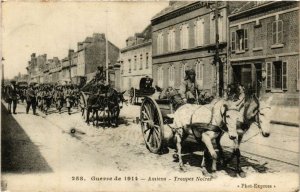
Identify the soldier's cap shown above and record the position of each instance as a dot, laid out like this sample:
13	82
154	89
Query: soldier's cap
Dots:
13	81
190	72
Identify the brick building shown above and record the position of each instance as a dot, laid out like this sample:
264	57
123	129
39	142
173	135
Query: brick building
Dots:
264	49
183	36
136	59
91	53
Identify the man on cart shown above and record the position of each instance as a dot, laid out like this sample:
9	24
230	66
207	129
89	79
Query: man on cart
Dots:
189	88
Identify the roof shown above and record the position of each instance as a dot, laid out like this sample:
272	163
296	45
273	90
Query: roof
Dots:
249	5
174	6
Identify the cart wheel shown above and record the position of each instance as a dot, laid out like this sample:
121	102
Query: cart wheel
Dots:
152	125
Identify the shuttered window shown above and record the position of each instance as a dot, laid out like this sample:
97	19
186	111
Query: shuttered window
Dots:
284	76
233	40
184	36
199	32
199	73
171	76
183	72
269	76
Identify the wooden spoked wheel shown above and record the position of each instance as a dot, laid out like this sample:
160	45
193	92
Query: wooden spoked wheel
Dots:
152	125
83	104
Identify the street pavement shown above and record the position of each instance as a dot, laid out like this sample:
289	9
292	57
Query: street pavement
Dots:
42	152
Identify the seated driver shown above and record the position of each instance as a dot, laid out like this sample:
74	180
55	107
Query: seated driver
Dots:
189	88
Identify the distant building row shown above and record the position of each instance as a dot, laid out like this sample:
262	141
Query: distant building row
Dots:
83	62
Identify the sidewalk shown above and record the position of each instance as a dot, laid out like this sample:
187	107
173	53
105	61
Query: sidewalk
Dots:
285	115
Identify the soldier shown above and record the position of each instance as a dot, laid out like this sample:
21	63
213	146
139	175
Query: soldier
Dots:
12	94
189	88
31	98
69	94
99	74
59	99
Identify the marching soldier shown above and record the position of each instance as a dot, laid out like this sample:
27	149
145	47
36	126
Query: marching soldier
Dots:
12	97
31	99
189	88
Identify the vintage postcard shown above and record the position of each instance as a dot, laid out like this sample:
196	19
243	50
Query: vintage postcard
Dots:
150	96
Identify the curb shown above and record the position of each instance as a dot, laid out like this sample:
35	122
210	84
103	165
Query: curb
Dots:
291	124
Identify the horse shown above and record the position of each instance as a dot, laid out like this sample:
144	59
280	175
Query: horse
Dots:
254	113
114	100
205	122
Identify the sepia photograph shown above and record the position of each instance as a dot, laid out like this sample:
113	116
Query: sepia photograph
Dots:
150	96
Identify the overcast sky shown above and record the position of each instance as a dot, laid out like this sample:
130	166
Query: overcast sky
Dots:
55	27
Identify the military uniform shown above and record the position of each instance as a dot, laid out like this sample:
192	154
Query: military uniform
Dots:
189	88
31	100
12	97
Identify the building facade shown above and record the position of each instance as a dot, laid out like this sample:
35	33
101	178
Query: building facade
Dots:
136	59
91	53
183	37
264	49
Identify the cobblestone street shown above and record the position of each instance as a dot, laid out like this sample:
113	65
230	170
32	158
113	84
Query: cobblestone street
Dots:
48	146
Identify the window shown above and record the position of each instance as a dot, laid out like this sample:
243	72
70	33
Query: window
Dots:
199	73
147	60
171	76
184	36
276	75
171	40
160	76
241	39
135	62
129	65
233	40
141	61
277	32
199	32
160	43
183	71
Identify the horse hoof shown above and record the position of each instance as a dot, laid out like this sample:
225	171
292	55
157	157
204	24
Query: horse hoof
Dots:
175	156
182	168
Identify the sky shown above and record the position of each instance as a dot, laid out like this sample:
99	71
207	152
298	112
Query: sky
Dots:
55	27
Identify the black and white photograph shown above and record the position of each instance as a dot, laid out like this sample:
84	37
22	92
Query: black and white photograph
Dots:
150	96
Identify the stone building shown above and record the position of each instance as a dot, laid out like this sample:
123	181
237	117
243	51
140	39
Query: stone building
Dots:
184	36
264	49
136	59
91	53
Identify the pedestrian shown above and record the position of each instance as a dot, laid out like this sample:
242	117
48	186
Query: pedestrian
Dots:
31	99
12	94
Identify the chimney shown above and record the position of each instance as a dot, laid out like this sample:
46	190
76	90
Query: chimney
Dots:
171	3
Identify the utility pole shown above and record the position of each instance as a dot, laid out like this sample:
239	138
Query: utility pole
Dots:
2	66
106	48
217	63
70	63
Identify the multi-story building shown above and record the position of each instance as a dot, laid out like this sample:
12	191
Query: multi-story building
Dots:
184	36
264	49
91	53
136	59
32	67
41	62
54	70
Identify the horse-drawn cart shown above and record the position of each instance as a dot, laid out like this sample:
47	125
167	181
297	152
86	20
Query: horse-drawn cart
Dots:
154	120
145	89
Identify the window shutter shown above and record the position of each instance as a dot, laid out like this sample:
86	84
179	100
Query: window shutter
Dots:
274	26
280	31
284	76
269	76
201	33
246	38
233	40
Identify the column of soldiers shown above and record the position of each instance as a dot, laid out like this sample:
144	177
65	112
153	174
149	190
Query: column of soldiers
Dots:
42	97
